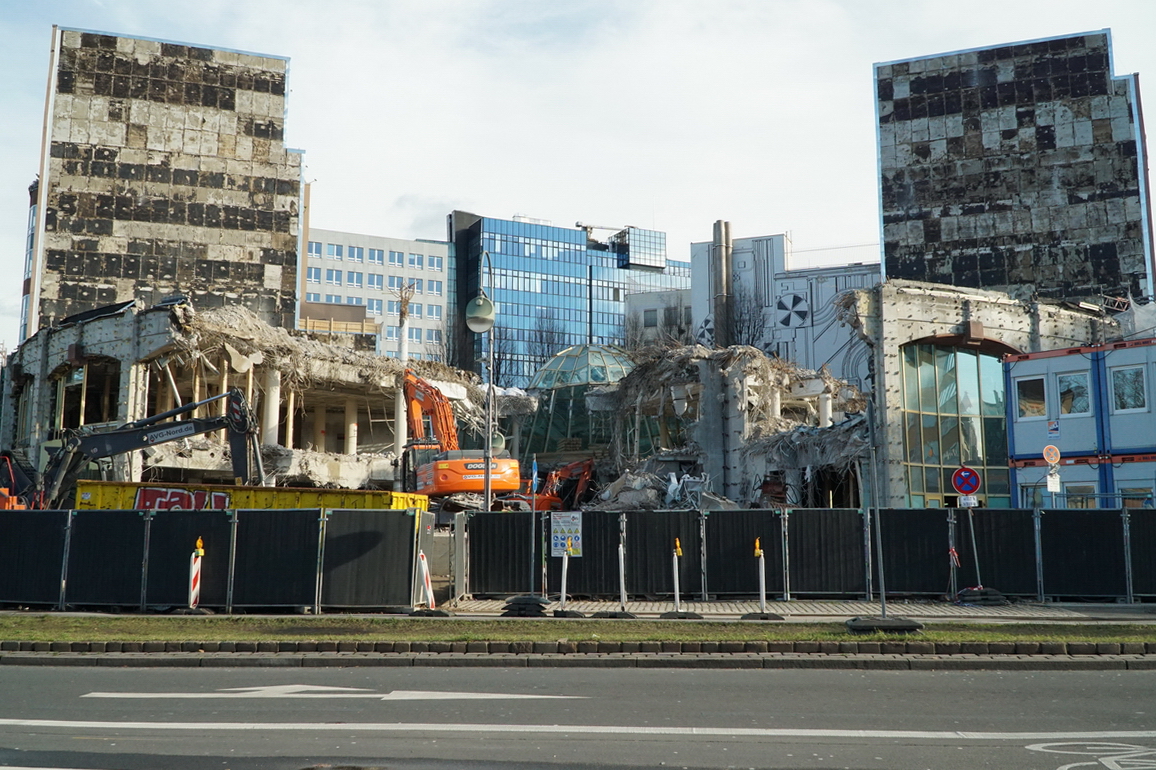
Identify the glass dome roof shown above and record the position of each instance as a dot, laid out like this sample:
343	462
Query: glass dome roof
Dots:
583	365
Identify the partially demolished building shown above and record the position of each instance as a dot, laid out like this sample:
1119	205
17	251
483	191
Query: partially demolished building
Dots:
163	171
326	411
752	429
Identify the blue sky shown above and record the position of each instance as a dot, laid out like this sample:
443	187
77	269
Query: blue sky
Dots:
667	114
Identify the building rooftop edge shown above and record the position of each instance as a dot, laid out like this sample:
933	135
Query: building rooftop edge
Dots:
1106	31
172	42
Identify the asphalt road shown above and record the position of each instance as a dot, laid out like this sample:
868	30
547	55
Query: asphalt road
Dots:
472	718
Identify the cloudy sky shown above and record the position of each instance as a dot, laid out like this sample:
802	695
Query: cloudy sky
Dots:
667	114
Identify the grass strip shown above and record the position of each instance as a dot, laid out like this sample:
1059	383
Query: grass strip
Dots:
92	628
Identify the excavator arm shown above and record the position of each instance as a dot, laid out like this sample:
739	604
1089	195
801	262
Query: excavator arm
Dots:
422	399
78	450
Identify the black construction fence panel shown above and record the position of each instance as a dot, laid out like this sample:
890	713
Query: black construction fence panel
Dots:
916	557
1006	543
106	558
31	555
499	552
173	536
1083	553
650	537
1142	537
369	558
595	572
276	562
732	569
826	552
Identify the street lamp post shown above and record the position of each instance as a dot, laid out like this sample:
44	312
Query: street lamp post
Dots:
480	316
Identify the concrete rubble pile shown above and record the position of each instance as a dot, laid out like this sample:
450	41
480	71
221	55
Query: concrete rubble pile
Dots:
728	419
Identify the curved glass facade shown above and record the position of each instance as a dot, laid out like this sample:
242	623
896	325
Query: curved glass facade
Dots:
953	415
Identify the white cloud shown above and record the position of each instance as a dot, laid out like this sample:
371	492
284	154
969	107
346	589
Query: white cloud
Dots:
658	113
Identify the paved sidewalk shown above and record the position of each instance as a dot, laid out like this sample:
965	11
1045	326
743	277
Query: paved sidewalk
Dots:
819	610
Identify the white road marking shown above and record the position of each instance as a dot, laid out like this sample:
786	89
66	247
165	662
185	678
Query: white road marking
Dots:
737	732
319	691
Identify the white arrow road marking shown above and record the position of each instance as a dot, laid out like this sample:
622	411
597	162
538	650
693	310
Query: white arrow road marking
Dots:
320	691
953	735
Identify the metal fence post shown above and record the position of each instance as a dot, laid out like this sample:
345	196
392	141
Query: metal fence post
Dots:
320	577
702	550
64	561
1127	517
232	561
1037	520
784	523
144	564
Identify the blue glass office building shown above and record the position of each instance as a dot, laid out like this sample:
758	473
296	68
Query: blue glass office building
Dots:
553	287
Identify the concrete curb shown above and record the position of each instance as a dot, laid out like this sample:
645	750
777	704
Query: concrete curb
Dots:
592	647
715	660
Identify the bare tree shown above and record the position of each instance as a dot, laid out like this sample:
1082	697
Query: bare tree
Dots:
546	338
633	332
506	370
748	319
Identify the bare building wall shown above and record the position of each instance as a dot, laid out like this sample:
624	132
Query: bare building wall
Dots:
1017	168
164	171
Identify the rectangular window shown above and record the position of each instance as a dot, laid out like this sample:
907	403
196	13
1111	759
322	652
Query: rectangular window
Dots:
353	300
356	254
1073	393
1030	397
416	260
393	307
333	299
415	310
373	307
315	249
434	263
1136	497
395	282
333	250
376	257
415	334
1034	496
313	296
391	332
313	275
434	288
650	318
416	283
397	258
333	277
433	335
1128	389
354	279
433	311
1080	495
376	281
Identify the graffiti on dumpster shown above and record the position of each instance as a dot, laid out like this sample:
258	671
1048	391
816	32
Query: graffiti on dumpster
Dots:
176	499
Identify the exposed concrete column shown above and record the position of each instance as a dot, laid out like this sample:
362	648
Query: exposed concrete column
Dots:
133	403
271	406
400	422
319	418
290	414
776	402
350	425
223	384
825	418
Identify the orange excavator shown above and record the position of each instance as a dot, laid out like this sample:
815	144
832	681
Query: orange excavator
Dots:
564	489
436	465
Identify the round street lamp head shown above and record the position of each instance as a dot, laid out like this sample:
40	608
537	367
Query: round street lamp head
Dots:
480	315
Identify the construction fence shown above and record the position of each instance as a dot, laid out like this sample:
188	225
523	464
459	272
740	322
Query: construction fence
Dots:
1040	554
304	559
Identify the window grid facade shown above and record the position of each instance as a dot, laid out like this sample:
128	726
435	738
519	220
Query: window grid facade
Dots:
553	286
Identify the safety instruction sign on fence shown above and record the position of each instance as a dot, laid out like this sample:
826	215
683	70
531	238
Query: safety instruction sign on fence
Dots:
565	524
